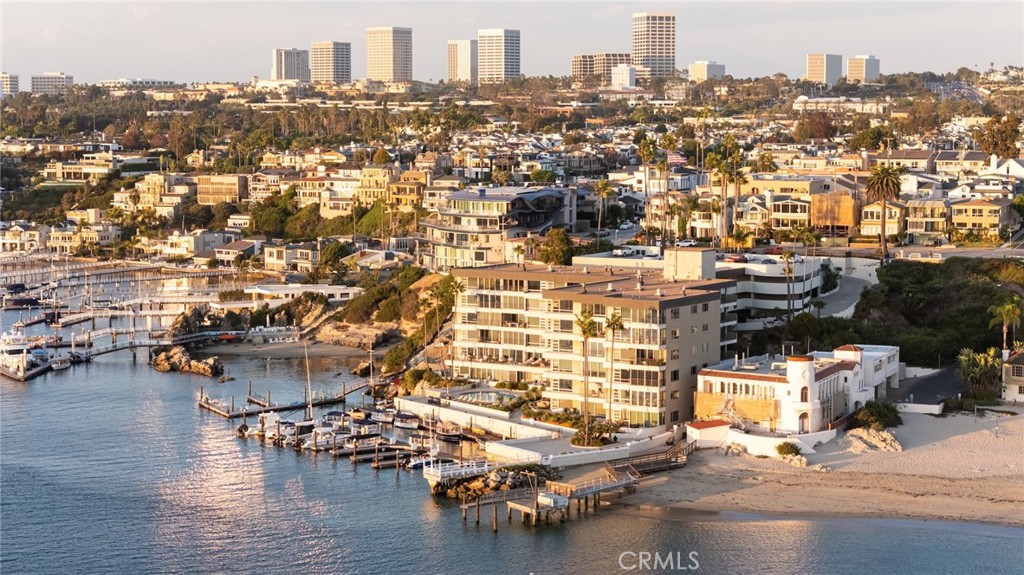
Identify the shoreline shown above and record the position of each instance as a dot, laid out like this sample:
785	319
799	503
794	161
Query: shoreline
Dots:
951	468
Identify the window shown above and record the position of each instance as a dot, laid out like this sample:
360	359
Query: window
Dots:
675	334
704	307
674	313
693	370
693	329
675	416
693	308
1018	371
704	327
675	394
674	354
1020	390
675	375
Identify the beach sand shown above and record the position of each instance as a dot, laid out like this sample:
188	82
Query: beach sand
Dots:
951	468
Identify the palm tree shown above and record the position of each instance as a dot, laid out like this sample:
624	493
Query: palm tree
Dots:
717	165
690	204
663	169
518	249
884	186
647	151
613	325
603	189
739	236
457	288
1007	314
588	329
738	179
818	305
787	258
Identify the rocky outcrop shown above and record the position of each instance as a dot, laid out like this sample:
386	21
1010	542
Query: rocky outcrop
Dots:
497	480
177	359
864	439
357	336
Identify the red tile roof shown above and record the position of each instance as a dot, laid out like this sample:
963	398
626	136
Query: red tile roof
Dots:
707	424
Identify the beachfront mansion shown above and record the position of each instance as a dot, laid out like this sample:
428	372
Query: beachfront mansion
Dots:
795	393
517	323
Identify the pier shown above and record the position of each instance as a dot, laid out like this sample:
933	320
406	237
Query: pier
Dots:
228	411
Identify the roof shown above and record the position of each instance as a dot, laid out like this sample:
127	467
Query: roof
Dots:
848	347
707	424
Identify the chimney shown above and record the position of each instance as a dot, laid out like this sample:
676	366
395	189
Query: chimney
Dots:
735	362
610	287
658	292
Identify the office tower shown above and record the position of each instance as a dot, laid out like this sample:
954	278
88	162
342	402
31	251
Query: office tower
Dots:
498	55
331	62
389	54
824	68
9	83
582	65
862	69
290	64
654	44
701	70
462	61
605	62
52	83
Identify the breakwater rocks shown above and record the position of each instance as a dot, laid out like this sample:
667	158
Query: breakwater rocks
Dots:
498	480
177	359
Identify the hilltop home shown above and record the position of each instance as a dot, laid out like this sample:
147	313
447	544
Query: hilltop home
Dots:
1013	377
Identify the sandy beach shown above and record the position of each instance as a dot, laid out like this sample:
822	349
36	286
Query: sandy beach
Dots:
951	468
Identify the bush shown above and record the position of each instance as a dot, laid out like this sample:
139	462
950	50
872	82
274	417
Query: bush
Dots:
787	448
390	310
877	416
970	400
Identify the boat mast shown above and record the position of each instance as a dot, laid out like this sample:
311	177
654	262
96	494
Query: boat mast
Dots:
309	385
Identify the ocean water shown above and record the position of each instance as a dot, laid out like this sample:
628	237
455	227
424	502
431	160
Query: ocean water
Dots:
111	468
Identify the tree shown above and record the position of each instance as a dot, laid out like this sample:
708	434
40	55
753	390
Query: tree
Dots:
456	288
982	372
814	126
603	189
765	163
1000	136
883	186
518	249
543	176
557	248
870	138
501	177
787	259
687	207
613	325
381	157
647	150
588	329
1007	314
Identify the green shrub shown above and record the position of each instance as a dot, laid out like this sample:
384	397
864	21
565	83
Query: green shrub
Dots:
787	448
390	310
877	416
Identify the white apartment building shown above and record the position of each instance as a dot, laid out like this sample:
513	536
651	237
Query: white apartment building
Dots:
290	64
52	83
462	61
861	69
623	76
137	84
497	55
9	84
702	70
654	44
471	229
517	322
824	68
796	393
330	62
389	54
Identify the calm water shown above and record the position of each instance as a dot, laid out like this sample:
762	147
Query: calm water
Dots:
110	468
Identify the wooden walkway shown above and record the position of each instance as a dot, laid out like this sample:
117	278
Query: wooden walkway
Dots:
227	409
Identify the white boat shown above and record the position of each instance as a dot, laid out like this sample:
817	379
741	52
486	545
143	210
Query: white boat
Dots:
60	362
364	426
407	421
363	440
323	437
383	415
449	432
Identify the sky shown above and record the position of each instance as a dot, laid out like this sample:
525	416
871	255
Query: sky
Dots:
232	41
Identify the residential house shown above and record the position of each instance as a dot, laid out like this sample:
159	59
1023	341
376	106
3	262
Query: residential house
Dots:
24	237
228	253
230	188
374	180
69	240
895	219
1013	377
985	218
302	257
268	182
928	219
913	160
956	162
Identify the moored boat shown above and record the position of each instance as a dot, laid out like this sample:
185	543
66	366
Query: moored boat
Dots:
407	420
449	432
60	362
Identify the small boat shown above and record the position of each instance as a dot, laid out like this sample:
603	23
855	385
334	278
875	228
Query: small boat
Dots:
358	413
60	362
335	416
383	415
407	421
323	437
420	442
363	426
449	432
363	440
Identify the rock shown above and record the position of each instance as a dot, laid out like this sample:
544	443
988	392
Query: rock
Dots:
177	359
795	460
477	485
864	439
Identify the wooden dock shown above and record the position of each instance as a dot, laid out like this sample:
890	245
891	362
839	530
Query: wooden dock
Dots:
227	409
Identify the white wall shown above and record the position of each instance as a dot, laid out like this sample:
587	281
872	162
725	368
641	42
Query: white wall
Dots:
765	445
919	408
710	437
500	427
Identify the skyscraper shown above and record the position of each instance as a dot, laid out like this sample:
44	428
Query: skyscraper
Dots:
701	70
462	61
9	84
389	54
290	64
862	69
824	68
331	62
654	44
582	65
498	55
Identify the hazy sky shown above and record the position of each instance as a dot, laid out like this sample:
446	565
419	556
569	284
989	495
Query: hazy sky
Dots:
200	41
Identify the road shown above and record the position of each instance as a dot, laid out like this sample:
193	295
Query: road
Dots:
930	389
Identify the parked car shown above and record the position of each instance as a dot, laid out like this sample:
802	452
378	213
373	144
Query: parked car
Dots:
625	225
686	244
602	233
736	258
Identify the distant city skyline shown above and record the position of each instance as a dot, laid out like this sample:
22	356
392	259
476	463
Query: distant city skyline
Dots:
196	42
